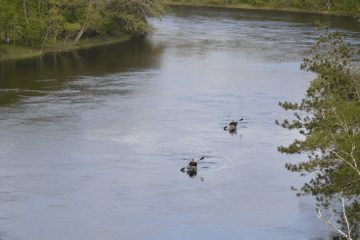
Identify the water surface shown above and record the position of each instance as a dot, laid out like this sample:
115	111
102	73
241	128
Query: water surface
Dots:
92	141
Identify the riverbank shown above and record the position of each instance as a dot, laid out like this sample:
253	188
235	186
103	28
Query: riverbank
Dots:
222	4
8	51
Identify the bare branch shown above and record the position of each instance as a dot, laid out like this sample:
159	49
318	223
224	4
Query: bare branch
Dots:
334	228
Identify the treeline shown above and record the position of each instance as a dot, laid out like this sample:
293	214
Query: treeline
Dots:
345	6
329	119
351	7
30	22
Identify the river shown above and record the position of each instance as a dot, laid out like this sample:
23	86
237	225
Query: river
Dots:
92	142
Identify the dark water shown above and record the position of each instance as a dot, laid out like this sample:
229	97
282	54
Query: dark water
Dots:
92	142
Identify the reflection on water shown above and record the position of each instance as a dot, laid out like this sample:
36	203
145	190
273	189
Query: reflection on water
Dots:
192	173
54	72
92	141
233	132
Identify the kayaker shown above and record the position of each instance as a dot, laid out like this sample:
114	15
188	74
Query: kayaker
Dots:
193	164
233	123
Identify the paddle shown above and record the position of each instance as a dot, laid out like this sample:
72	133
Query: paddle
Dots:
236	121
196	161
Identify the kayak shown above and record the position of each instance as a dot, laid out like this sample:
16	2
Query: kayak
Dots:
191	168
232	128
191	171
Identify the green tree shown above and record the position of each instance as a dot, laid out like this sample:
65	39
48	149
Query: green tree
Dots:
16	28
89	14
329	120
39	20
52	21
133	14
31	11
10	19
70	29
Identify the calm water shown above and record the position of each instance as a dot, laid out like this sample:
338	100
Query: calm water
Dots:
92	142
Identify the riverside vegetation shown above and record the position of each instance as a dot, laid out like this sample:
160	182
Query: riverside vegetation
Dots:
343	7
32	27
328	117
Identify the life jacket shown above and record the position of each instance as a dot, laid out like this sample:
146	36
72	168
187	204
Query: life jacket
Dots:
233	124
194	164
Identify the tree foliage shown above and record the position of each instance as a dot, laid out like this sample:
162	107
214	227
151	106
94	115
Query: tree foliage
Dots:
345	6
29	21
334	6
329	118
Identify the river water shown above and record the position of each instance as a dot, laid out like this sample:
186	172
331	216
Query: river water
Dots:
92	141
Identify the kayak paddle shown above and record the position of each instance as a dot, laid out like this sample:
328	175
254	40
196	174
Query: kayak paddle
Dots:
196	161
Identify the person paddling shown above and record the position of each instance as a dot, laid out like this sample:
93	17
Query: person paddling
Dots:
192	164
233	123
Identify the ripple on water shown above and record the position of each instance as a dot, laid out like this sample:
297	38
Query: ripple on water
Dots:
92	141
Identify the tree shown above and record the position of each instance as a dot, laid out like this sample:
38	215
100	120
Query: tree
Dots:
10	19
346	231
70	29
89	15
33	12
15	26
329	119
132	14
52	20
38	20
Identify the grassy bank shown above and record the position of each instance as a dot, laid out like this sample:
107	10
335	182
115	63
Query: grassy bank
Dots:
9	51
264	6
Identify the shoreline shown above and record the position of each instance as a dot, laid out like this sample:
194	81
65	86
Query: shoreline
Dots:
250	7
10	52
